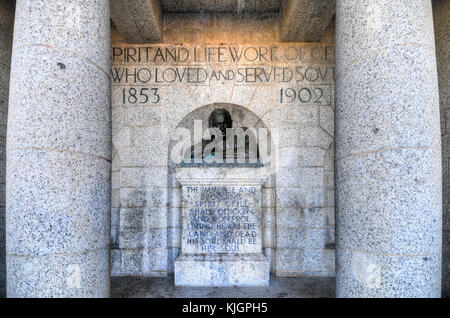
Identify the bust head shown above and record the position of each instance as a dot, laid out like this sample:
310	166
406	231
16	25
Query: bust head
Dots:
221	119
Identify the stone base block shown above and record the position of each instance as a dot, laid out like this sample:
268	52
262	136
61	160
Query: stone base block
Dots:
222	270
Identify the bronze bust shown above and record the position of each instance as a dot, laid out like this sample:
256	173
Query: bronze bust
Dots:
220	119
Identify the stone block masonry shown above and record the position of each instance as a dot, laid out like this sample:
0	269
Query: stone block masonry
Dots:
285	87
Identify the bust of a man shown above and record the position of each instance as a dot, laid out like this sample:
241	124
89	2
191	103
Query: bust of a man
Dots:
221	120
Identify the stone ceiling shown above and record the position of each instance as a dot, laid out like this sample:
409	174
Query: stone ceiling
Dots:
142	21
190	6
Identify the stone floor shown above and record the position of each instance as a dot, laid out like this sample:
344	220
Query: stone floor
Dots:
306	287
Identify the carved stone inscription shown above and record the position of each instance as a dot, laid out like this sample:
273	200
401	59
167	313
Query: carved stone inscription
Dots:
221	219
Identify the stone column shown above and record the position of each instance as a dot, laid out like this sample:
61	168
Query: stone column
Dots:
6	31
441	14
58	150
388	156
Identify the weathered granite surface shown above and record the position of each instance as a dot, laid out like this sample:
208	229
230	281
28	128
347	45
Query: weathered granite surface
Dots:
305	20
59	152
139	21
388	157
6	32
441	14
222	219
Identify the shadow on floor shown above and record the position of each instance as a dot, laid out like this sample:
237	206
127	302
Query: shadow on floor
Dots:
163	287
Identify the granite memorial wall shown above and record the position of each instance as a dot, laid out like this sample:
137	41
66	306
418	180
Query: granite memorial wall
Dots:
287	88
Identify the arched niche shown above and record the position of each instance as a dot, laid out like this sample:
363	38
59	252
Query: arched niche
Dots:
242	117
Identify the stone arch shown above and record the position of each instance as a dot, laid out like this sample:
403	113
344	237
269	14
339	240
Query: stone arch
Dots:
242	117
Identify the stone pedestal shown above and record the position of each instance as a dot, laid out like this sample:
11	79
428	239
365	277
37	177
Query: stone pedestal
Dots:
222	227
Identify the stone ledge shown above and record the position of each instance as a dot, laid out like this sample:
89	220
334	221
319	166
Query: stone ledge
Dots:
250	270
222	176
